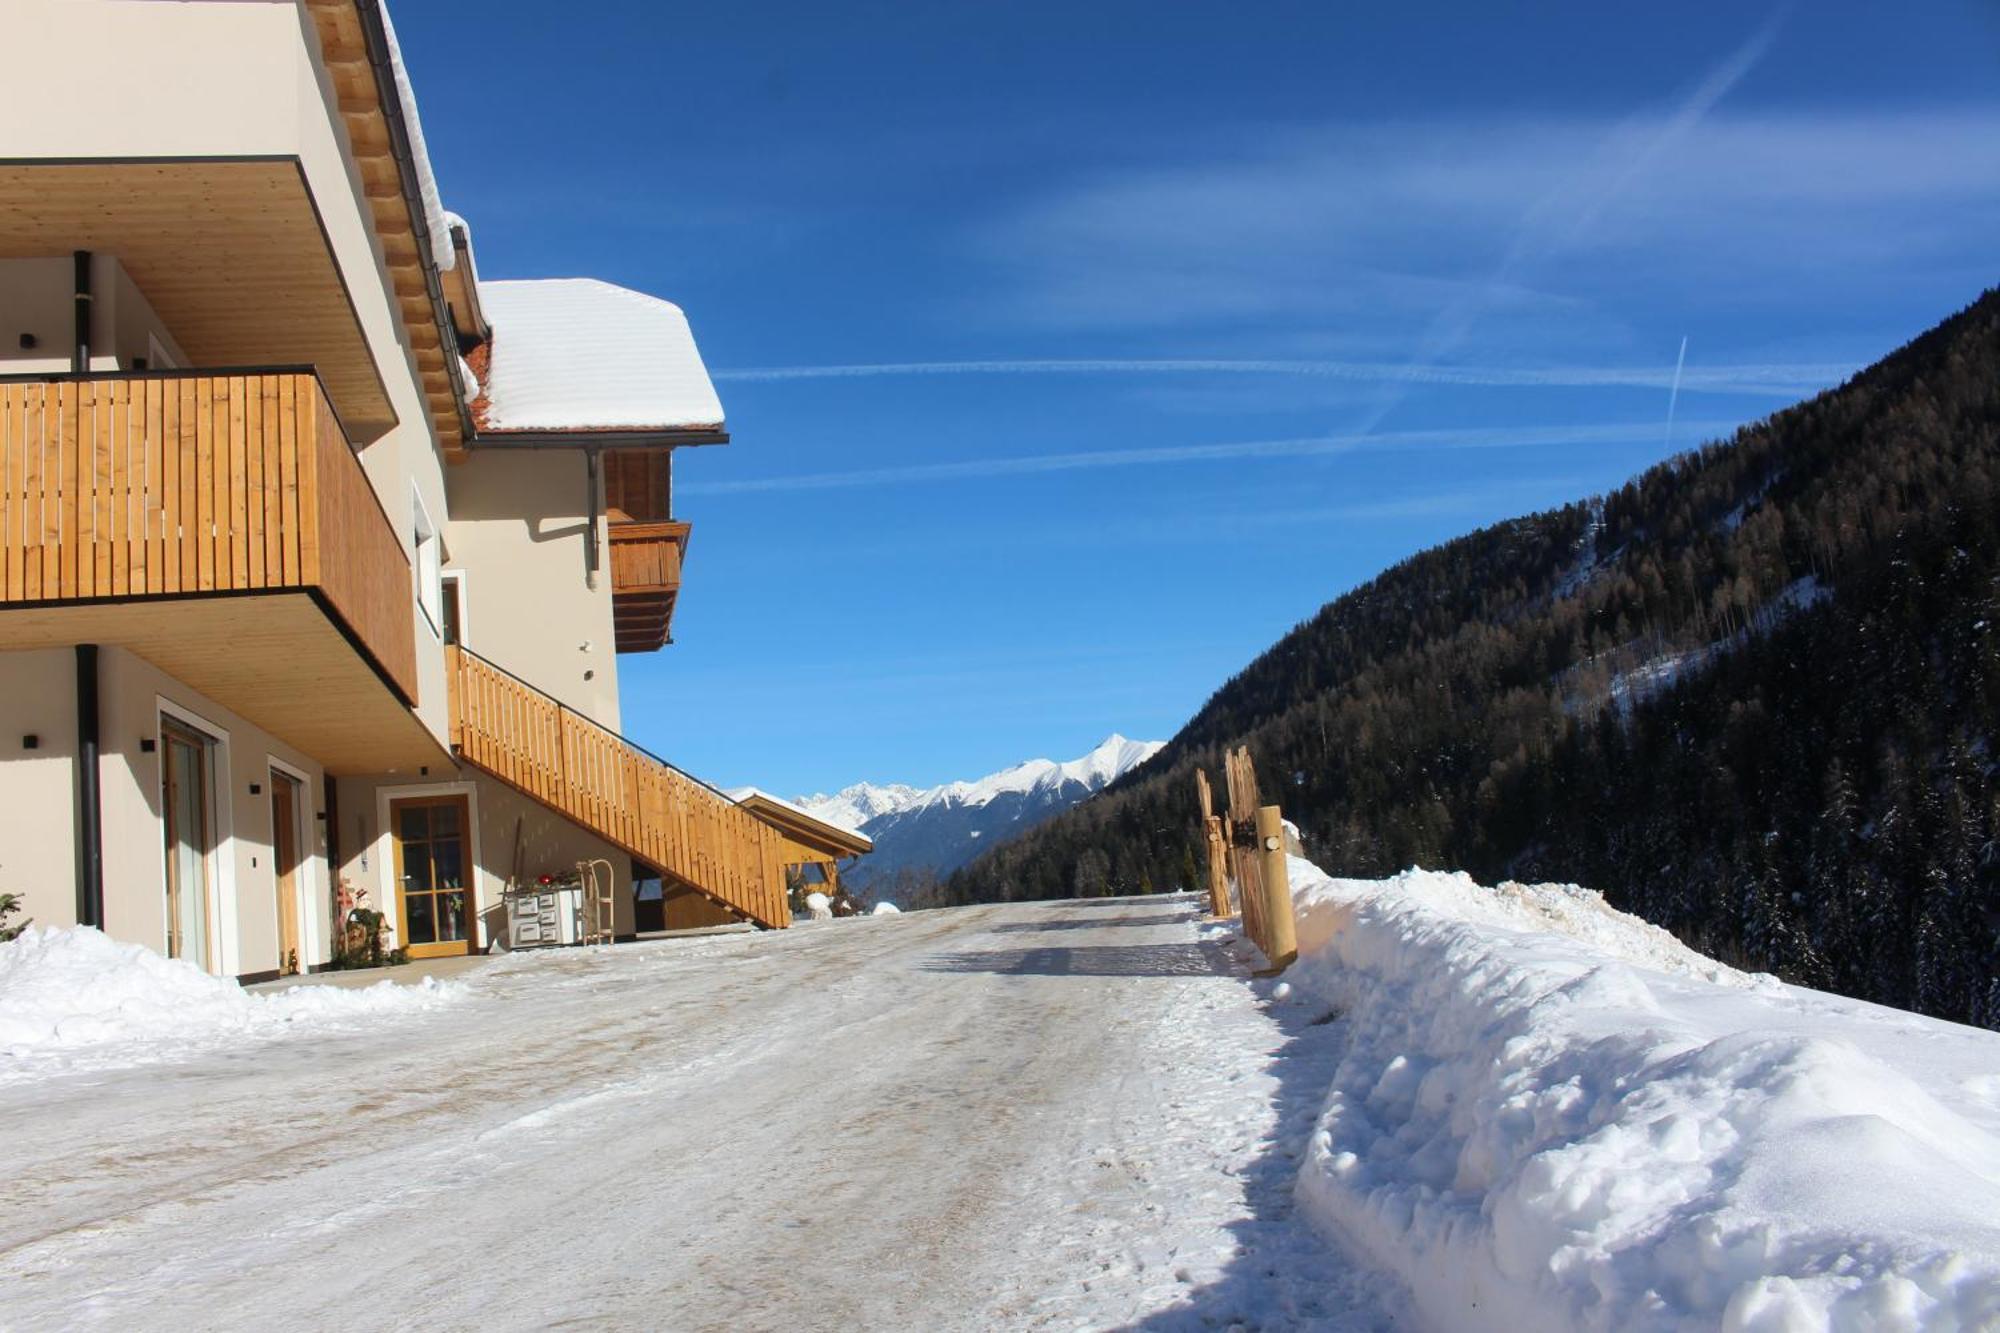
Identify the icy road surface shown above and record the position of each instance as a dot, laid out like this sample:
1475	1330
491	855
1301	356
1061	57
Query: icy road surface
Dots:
1063	1115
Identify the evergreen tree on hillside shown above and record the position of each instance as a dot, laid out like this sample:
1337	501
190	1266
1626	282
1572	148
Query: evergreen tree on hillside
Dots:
1751	694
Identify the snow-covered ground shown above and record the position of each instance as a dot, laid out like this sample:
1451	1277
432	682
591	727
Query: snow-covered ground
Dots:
1464	1108
1033	1116
1549	1115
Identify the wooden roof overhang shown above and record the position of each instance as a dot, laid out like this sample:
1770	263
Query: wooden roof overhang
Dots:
461	292
279	659
354	46
230	251
801	828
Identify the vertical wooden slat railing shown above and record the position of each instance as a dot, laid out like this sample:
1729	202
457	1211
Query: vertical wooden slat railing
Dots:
595	777
194	482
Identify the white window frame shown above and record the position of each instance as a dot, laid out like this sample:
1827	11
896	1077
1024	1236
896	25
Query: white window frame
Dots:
457	576
427	566
390	900
225	951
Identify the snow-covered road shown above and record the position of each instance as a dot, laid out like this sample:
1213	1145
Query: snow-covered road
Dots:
1042	1115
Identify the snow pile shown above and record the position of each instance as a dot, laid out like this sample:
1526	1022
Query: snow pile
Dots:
886	909
819	906
65	992
579	354
1551	1115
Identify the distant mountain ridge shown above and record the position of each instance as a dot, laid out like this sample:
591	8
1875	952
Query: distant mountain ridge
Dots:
937	829
1752	695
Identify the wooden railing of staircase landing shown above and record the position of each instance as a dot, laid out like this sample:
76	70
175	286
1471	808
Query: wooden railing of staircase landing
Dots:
603	782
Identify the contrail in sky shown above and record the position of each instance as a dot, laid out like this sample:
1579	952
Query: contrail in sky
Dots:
1779	380
1536	239
1511	437
1674	394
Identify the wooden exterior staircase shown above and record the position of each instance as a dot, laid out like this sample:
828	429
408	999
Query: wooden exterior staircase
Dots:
693	834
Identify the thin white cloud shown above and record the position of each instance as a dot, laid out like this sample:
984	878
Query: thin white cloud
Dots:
1373	228
1780	380
1503	437
1561	218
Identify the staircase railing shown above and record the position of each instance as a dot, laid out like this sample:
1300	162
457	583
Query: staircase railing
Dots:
633	799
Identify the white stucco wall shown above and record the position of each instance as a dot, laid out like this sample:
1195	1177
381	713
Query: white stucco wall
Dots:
38	809
519	523
37	787
175	78
37	298
549	844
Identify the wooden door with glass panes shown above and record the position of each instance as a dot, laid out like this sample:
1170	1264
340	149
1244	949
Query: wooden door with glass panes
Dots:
432	837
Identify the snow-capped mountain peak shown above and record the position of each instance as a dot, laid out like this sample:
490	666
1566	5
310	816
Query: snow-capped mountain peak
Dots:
941	827
855	805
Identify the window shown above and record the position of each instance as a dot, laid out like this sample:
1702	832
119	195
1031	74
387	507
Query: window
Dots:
429	565
453	583
187	768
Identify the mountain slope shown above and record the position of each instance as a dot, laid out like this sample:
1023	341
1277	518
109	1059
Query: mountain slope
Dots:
934	831
1752	694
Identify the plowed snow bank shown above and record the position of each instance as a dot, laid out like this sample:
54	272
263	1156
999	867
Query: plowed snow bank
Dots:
1554	1116
73	993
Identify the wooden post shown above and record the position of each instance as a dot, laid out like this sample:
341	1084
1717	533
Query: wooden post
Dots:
1218	868
1280	944
1218	848
1249	885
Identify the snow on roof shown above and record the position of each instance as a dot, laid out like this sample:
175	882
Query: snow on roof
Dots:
427	186
741	794
579	354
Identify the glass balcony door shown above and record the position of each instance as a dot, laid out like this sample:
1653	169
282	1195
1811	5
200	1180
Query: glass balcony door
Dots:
433	868
187	797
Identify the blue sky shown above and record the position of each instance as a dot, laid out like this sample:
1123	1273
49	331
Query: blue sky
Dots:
1073	353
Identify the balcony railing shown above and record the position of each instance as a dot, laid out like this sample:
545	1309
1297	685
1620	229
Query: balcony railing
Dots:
645	581
602	781
167	484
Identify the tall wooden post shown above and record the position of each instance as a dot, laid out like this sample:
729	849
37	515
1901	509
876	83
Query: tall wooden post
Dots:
1218	848
1218	867
1255	837
1281	942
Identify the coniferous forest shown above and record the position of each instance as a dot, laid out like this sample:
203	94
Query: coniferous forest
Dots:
1751	696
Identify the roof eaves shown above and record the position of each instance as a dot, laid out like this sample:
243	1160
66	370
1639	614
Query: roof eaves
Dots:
381	59
603	437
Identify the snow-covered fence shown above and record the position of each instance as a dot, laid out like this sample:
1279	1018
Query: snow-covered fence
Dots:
1248	846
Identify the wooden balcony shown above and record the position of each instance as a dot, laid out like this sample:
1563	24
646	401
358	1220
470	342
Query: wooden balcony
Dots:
645	582
218	524
603	782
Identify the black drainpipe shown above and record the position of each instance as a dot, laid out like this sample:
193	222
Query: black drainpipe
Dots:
80	358
590	534
90	800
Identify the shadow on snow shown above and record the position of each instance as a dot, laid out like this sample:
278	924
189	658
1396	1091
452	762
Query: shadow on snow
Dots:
1284	1274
